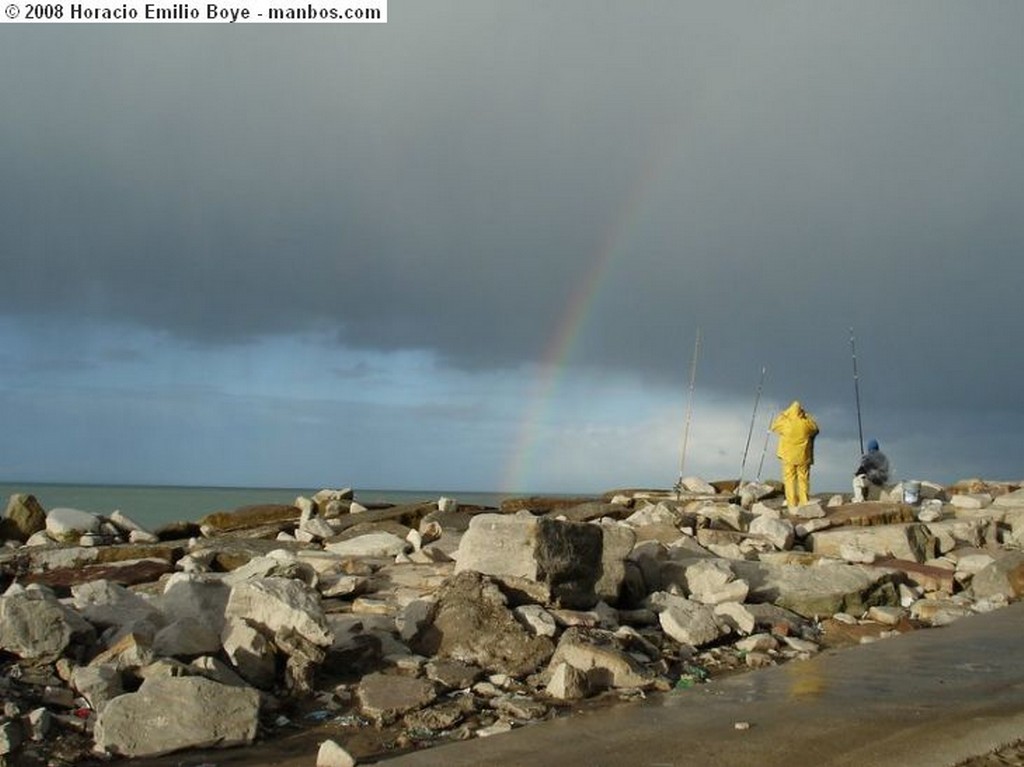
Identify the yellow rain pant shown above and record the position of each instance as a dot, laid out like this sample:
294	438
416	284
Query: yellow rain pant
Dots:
797	479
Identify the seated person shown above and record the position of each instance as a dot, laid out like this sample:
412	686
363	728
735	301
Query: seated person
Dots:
873	471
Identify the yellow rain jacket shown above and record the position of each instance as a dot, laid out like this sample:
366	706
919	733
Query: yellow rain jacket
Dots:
796	432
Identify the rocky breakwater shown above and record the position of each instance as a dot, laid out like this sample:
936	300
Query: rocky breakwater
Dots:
399	627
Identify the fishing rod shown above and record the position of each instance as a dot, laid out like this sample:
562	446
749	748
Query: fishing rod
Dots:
689	410
764	449
750	432
856	391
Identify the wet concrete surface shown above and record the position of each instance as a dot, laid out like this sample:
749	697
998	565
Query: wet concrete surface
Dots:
929	698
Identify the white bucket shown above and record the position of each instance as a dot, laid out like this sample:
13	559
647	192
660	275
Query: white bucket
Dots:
911	492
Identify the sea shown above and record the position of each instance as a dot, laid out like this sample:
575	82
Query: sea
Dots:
154	506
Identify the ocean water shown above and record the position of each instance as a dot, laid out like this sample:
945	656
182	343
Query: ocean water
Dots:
152	506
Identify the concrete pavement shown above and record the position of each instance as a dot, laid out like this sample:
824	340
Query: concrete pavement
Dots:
926	699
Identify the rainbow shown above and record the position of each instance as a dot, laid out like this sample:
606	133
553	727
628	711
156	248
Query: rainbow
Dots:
571	327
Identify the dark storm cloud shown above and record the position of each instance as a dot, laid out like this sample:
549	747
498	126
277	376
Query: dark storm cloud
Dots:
772	173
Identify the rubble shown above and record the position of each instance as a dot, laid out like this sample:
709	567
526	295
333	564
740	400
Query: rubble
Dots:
437	621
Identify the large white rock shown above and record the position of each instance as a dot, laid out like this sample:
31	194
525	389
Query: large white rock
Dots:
105	603
370	545
911	542
331	754
68	525
971	500
34	625
98	684
276	604
651	514
168	714
737	615
250	652
707	576
779	532
186	637
1010	500
686	621
698	485
568	683
191	595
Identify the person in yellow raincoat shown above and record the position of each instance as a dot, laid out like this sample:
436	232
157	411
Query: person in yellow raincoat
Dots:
796	430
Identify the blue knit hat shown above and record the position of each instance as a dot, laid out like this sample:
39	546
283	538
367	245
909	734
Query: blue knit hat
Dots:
872	445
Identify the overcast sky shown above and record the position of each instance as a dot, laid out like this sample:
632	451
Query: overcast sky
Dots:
472	248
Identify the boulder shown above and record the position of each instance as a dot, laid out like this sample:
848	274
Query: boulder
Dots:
34	625
568	683
1004	577
331	754
66	525
129	572
697	485
1011	500
565	558
778	532
186	638
369	545
250	652
871	513
23	518
277	604
971	500
173	713
686	621
385	697
818	590
277	516
195	596
104	603
473	624
607	665
98	684
901	541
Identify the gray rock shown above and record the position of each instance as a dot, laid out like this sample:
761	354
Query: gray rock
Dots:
939	612
1011	500
276	604
686	621
104	603
1004	577
23	518
173	713
565	558
68	525
597	653
818	590
186	637
34	625
706	576
250	652
903	541
737	615
370	545
810	510
537	620
971	500
190	595
568	683
453	675
779	532
385	697
331	754
472	623
98	684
